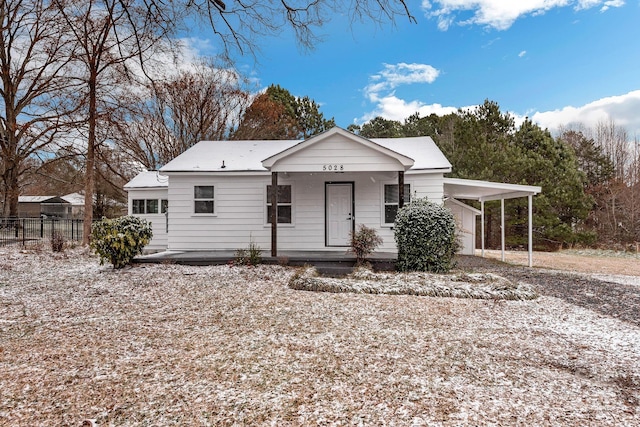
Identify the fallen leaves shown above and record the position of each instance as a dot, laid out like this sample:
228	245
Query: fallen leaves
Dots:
179	345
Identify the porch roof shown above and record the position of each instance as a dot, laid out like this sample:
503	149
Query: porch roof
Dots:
484	191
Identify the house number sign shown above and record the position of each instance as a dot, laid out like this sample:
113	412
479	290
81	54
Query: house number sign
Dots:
332	167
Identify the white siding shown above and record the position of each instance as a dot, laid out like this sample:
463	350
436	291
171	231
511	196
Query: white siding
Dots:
240	209
340	151
466	225
158	221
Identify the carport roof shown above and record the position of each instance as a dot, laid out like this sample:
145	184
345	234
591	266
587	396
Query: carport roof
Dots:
470	189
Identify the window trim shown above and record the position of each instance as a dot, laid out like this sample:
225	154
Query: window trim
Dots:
384	204
145	204
267	203
204	199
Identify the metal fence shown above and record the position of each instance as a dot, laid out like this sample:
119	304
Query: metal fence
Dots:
34	230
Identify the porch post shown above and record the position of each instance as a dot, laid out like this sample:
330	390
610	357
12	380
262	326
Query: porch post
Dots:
274	214
502	226
530	231
482	227
400	189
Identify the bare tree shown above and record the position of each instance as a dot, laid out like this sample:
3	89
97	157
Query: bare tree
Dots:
241	25
111	37
200	103
34	54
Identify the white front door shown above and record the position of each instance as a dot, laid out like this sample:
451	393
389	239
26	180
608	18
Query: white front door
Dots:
339	215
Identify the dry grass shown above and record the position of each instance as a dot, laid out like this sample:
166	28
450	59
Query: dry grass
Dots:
172	345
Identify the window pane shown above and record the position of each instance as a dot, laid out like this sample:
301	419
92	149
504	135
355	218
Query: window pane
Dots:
391	193
164	205
137	207
284	214
269	213
284	194
203	192
407	193
202	206
390	212
152	206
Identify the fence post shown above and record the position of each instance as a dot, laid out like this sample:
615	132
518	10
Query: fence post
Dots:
23	233
41	227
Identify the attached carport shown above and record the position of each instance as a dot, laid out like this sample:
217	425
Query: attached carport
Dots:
484	191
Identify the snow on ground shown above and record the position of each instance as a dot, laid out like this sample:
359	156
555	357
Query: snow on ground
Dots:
178	345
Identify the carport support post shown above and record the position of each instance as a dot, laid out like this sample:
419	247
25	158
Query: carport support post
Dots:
502	226
530	231
274	214
400	189
482	227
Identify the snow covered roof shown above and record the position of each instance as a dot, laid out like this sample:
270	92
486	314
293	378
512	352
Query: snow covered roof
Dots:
148	179
248	156
38	199
74	198
422	149
227	156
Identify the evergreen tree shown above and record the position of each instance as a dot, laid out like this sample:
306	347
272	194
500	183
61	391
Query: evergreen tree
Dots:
381	128
277	114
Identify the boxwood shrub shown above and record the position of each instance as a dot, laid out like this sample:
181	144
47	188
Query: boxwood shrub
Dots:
425	234
119	240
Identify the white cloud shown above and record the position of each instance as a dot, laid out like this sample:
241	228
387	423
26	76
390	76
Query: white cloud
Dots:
501	14
523	53
393	108
622	109
381	90
394	75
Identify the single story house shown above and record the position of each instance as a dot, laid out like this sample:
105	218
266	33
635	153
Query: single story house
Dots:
43	206
293	195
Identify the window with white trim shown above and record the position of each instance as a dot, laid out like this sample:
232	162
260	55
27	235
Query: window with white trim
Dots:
284	204
392	199
203	199
144	206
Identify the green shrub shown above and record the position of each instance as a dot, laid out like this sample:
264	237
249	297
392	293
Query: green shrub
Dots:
120	240
250	256
364	241
425	234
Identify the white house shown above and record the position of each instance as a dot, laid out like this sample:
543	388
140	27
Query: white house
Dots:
218	194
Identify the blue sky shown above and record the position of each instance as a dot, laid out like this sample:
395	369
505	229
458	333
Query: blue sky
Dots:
555	61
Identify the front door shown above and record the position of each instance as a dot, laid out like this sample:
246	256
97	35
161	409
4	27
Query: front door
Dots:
339	213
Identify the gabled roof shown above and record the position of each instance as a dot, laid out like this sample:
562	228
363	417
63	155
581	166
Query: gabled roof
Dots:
148	179
404	160
41	199
419	153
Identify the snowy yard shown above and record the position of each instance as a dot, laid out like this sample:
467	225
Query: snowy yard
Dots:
176	345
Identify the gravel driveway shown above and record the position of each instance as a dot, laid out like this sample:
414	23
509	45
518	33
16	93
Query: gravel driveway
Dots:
621	301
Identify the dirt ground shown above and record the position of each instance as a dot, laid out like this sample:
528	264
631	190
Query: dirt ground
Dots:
583	262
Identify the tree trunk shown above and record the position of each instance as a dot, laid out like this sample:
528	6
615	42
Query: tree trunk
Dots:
89	182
